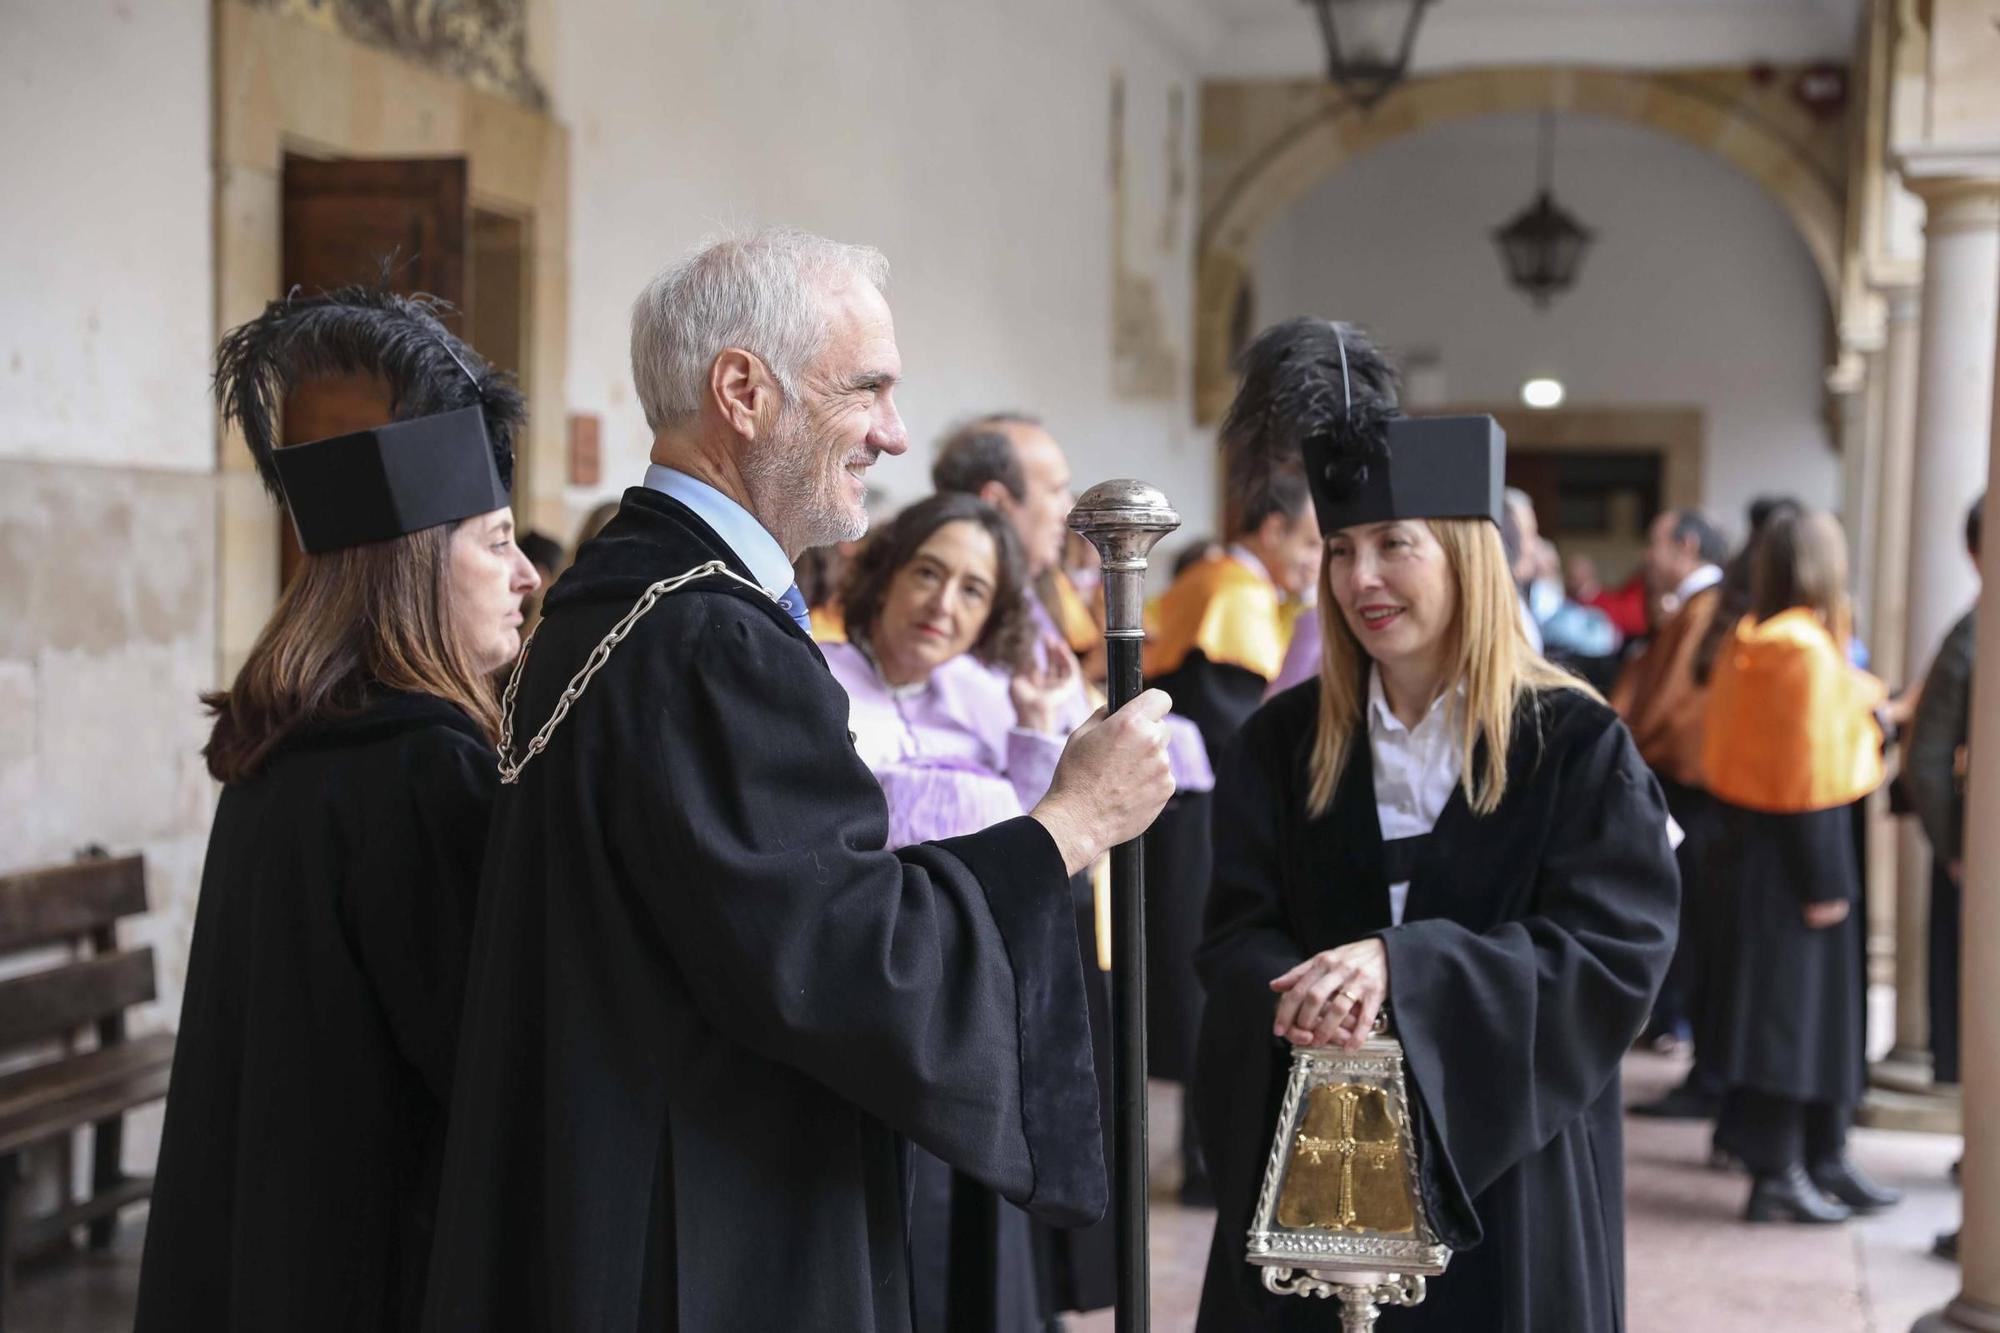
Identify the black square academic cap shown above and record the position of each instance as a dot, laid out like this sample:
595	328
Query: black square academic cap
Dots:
446	455
1428	467
390	481
1320	394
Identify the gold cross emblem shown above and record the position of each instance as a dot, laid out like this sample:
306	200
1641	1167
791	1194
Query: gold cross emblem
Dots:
1347	1171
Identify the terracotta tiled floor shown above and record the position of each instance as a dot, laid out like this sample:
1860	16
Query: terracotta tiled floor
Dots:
1691	1263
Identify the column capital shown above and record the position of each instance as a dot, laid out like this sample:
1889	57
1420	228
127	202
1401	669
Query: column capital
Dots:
1902	299
1848	375
1864	324
1959	184
1889	278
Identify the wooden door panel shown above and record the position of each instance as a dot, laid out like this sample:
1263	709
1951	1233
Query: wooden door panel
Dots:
402	222
345	219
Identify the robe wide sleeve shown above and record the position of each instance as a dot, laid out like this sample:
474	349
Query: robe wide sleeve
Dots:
1512	1033
410	896
938	987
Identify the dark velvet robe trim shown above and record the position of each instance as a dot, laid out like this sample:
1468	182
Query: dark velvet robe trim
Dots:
1057	1090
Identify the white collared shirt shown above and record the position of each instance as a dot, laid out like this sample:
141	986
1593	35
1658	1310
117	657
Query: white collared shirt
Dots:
1416	769
751	541
1704	578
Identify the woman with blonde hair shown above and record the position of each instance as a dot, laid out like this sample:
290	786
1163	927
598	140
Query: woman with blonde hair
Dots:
1443	827
1792	742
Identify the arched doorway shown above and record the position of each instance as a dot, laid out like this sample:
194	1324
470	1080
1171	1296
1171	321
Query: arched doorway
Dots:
1268	142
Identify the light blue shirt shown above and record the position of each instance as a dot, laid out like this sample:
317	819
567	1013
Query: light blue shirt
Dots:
739	529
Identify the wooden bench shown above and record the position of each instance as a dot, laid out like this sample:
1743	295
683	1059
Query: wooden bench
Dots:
71	913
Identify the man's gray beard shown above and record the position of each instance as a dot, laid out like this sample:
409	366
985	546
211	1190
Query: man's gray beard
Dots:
788	488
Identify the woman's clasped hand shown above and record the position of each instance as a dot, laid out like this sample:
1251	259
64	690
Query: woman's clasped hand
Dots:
1332	998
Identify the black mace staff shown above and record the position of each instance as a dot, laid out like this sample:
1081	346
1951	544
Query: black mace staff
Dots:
1123	520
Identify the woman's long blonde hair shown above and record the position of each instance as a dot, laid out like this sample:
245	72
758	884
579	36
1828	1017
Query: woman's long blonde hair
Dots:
1490	657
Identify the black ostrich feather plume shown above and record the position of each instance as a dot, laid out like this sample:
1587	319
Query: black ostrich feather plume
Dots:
359	331
1312	380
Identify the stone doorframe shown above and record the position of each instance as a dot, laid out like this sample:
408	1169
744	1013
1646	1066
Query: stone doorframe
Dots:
1267	142
1677	434
284	86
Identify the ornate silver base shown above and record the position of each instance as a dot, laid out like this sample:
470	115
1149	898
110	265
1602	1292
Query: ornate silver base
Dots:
1358	1304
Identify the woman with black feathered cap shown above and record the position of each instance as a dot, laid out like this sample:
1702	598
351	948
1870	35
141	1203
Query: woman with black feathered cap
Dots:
1442	826
299	1163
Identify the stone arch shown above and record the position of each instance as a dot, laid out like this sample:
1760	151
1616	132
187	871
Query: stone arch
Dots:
1268	143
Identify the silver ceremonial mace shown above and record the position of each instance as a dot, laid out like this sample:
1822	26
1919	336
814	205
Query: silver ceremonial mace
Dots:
1123	520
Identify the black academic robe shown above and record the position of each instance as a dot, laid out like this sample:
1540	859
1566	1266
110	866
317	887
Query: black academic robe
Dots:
972	1256
705	1006
1077	1266
305	1123
1218	697
978	1264
1789	1018
1533	942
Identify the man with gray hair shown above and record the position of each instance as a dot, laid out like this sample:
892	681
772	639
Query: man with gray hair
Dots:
706	1008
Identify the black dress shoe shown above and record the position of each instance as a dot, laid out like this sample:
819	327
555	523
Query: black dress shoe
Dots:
1843	1180
1683	1103
1791	1198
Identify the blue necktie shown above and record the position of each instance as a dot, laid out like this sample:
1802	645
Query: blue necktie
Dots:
795	607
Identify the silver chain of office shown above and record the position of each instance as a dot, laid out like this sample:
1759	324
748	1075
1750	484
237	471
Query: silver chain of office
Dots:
510	768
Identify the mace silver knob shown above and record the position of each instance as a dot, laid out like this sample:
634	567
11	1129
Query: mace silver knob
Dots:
1123	519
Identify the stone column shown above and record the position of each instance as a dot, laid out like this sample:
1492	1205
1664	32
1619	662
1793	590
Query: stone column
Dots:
1861	513
1961	310
1961	302
1976	1309
1888	861
1856	384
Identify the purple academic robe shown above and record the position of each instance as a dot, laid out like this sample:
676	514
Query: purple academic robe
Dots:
948	752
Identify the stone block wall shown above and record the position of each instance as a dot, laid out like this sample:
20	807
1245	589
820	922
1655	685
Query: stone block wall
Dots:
107	639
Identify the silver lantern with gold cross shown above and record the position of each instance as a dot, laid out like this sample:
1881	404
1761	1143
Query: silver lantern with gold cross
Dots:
1340	1216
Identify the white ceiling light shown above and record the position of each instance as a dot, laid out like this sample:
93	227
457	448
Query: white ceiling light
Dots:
1542	393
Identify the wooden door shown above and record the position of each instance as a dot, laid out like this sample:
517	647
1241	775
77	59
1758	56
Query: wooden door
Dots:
401	221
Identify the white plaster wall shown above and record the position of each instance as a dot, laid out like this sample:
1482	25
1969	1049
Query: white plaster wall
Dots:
970	142
106	295
1697	293
107	516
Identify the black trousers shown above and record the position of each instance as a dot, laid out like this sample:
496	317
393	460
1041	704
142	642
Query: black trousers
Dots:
1681	994
1947	906
1772	1134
